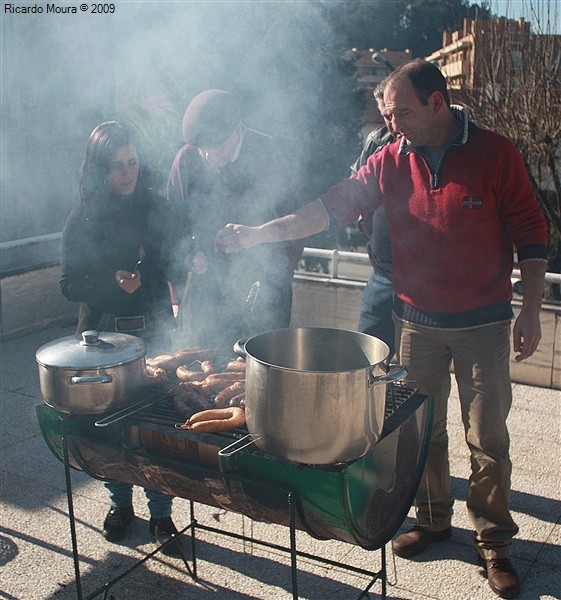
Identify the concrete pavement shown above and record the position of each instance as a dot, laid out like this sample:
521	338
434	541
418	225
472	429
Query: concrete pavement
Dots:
36	553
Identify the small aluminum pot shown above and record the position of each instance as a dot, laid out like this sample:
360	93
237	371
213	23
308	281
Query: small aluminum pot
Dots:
101	371
316	395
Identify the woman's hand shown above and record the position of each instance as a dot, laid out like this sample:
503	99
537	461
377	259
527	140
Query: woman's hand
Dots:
127	281
197	262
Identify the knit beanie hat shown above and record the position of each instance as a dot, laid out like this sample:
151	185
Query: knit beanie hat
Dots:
210	119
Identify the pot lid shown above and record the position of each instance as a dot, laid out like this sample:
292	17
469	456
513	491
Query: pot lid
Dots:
94	350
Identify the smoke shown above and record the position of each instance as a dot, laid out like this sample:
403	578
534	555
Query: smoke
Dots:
267	53
62	74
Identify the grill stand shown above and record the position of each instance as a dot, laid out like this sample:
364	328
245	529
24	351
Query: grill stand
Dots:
194	525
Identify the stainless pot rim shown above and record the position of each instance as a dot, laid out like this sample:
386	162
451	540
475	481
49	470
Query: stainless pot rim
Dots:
95	350
240	347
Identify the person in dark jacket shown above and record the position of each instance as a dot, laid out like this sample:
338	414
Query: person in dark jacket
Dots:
227	172
114	264
377	300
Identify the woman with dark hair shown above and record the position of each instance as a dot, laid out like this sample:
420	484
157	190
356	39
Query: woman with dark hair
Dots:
115	265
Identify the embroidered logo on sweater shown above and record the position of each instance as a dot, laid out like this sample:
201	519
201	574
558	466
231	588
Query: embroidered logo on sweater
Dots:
472	202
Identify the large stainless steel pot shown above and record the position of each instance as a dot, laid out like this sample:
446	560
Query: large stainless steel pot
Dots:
316	395
91	375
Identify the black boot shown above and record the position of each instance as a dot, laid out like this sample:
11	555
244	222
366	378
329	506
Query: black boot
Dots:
163	530
116	523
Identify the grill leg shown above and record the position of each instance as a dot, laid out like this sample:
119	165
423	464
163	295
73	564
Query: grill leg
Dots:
68	480
383	571
381	574
193	541
293	566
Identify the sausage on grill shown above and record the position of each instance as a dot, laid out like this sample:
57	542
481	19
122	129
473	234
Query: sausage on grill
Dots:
182	386
194	400
238	400
236	365
170	362
207	367
182	407
224	396
218	381
184	373
163	361
190	355
217	419
156	374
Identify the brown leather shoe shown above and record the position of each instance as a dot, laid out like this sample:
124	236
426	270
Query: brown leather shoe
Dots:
501	576
415	540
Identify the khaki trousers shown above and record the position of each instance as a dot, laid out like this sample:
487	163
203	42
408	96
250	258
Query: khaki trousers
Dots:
481	365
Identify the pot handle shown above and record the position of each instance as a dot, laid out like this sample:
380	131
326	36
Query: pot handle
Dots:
93	379
239	348
238	445
395	373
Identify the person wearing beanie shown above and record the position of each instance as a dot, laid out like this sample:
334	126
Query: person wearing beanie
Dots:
227	172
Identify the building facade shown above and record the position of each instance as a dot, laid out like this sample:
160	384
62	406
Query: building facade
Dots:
372	66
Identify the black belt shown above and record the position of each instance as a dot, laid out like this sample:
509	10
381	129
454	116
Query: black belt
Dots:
137	323
124	324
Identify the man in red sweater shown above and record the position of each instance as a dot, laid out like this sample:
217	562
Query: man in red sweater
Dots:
457	199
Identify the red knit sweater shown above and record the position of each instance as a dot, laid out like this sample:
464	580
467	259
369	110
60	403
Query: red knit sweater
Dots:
452	232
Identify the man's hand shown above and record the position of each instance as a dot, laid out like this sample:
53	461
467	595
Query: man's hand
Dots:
526	335
308	220
127	281
234	238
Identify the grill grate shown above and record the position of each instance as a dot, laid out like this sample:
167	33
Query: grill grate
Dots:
398	396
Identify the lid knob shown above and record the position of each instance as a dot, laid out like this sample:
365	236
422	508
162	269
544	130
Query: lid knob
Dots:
90	338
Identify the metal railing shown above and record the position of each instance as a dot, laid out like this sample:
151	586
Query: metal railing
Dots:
28	254
44	250
339	257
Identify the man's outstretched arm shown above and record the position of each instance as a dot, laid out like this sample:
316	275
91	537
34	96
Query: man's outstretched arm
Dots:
312	218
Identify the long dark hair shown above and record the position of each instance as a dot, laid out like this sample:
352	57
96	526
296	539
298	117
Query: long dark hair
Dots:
102	144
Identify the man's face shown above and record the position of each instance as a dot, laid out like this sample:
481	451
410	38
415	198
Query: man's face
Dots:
221	156
407	116
387	122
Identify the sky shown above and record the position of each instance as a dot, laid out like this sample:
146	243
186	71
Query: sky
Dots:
534	11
